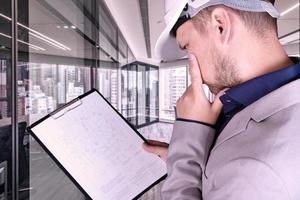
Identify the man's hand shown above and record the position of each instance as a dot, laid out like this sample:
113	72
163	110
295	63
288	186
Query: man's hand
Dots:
158	148
193	104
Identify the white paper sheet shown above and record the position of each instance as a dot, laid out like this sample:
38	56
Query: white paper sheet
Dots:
100	150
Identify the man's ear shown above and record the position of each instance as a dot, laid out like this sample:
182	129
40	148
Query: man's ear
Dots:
221	22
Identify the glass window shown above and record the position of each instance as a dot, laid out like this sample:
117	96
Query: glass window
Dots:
111	53
153	93
108	34
140	98
124	89
6	136
108	84
173	83
142	111
132	94
44	87
65	48
54	68
123	51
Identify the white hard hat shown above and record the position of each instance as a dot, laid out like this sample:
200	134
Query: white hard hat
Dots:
179	11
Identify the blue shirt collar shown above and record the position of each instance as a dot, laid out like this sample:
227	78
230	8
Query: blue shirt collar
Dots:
247	93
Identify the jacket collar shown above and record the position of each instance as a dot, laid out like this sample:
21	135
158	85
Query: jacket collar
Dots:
284	97
265	107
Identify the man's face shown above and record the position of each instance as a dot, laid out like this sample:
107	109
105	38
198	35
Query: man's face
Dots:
217	67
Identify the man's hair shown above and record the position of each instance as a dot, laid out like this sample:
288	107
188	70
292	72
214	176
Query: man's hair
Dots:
259	23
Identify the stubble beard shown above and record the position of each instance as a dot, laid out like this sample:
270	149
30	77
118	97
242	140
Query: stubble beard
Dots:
226	73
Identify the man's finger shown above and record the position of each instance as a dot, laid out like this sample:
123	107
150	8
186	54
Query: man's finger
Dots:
158	150
157	143
195	73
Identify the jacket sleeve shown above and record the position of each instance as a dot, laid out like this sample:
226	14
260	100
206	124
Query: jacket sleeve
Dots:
187	156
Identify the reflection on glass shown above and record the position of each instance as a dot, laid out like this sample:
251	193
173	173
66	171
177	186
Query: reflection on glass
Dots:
3	89
5	102
65	48
44	87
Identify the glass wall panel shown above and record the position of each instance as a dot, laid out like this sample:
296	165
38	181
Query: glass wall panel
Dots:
140	98
111	53
173	83
142	75
131	57
108	84
108	35
65	48
124	89
153	93
54	67
132	93
123	51
123	76
44	87
5	101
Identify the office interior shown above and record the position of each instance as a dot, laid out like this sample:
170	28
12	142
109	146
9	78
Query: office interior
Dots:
52	51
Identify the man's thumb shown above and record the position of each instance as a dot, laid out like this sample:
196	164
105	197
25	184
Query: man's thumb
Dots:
158	150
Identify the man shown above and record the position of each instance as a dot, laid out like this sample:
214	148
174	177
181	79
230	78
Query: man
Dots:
245	144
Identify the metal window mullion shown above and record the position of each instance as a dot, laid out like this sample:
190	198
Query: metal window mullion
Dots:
127	71
136	96
15	138
158	90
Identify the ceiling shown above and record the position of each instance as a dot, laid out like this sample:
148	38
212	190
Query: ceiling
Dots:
129	20
289	23
128	17
140	30
49	18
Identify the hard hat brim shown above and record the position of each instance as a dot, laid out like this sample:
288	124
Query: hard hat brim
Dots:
166	48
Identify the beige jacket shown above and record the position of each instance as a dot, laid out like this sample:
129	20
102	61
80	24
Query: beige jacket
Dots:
256	156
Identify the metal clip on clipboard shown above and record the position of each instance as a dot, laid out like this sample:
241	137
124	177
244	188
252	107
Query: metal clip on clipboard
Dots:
66	108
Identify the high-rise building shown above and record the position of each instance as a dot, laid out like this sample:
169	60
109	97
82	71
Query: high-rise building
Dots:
114	88
3	90
3	78
173	83
75	82
61	85
177	84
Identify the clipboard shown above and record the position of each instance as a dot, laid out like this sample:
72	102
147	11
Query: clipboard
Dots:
108	145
